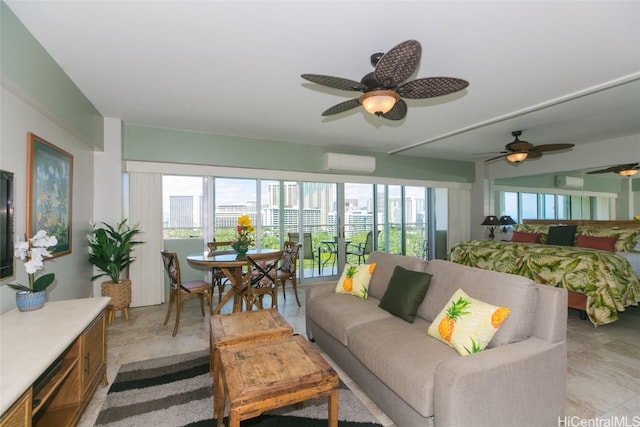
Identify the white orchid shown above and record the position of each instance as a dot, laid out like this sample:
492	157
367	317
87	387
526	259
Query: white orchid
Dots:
32	253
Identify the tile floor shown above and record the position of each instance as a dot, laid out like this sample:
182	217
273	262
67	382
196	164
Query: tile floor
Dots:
604	362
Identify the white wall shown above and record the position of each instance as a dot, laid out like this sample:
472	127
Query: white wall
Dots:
107	203
21	115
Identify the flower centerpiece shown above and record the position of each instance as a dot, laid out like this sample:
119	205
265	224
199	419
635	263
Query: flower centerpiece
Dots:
32	253
245	238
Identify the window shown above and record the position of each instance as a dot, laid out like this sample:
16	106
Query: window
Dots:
409	220
182	212
554	206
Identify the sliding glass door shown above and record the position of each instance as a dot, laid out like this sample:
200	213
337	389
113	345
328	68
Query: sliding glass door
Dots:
335	222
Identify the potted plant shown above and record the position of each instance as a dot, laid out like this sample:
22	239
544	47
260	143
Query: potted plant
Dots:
110	251
32	253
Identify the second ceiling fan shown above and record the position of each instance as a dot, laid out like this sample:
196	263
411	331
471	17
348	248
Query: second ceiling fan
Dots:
518	151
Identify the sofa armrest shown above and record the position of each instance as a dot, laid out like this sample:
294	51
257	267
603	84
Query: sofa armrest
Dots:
315	291
516	384
320	289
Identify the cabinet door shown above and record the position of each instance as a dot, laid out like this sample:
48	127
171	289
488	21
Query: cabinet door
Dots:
93	353
19	415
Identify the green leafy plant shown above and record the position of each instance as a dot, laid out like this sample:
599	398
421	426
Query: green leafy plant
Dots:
110	248
32	253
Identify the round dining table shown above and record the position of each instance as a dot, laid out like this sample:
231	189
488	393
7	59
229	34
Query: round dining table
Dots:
231	264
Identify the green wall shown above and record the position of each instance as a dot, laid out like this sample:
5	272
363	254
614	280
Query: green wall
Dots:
29	67
176	146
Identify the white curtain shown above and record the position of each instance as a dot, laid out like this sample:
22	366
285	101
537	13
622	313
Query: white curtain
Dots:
459	225
145	209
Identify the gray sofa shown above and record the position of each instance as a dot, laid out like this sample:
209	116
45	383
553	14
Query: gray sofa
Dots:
417	380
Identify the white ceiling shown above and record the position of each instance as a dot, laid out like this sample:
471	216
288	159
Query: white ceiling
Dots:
564	72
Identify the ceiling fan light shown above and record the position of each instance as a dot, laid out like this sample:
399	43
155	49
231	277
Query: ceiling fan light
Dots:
517	157
379	102
628	172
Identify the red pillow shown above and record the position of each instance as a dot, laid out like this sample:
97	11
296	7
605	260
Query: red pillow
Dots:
593	242
520	237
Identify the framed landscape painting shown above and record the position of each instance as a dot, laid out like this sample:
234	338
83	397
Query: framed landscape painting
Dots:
49	192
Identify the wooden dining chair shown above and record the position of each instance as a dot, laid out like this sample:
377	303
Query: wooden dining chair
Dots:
180	291
262	279
219	280
287	269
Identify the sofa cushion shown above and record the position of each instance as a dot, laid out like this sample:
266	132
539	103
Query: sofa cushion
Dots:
337	313
501	289
467	324
355	280
405	292
402	356
386	262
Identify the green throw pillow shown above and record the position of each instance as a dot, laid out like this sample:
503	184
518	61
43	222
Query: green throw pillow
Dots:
405	292
561	235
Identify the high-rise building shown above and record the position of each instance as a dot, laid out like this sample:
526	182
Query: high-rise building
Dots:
181	212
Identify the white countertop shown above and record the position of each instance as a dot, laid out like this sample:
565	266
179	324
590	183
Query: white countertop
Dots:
31	341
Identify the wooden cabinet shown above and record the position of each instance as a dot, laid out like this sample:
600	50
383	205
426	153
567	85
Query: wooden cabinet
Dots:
61	393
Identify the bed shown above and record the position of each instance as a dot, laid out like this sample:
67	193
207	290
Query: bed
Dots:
601	283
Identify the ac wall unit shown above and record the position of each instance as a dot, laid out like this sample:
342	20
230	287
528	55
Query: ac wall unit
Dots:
569	181
349	163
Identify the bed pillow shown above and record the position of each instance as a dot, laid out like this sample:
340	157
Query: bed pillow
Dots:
467	324
355	280
602	243
628	238
405	293
561	235
534	228
521	237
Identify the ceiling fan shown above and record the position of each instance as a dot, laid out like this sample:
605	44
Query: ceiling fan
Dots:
383	88
628	169
517	151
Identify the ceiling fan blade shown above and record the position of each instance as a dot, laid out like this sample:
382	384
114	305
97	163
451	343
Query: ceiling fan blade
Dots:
533	154
496	158
431	87
398	112
342	107
611	169
335	82
519	146
398	64
552	147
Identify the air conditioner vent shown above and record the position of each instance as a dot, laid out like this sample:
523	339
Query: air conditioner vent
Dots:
349	163
563	181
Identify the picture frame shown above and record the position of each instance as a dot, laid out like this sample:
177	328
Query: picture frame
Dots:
6	225
49	192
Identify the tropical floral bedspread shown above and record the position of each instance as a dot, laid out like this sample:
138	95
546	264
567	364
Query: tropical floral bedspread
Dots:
607	279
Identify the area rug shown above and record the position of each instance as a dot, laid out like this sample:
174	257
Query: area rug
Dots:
177	391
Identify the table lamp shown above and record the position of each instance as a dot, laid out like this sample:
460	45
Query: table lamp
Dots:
491	220
506	221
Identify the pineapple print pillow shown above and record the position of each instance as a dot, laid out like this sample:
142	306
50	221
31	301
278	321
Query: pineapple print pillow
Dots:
467	324
355	280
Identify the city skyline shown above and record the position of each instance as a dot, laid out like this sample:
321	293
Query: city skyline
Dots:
316	196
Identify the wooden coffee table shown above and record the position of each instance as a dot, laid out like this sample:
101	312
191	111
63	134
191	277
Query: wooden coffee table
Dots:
262	376
241	328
